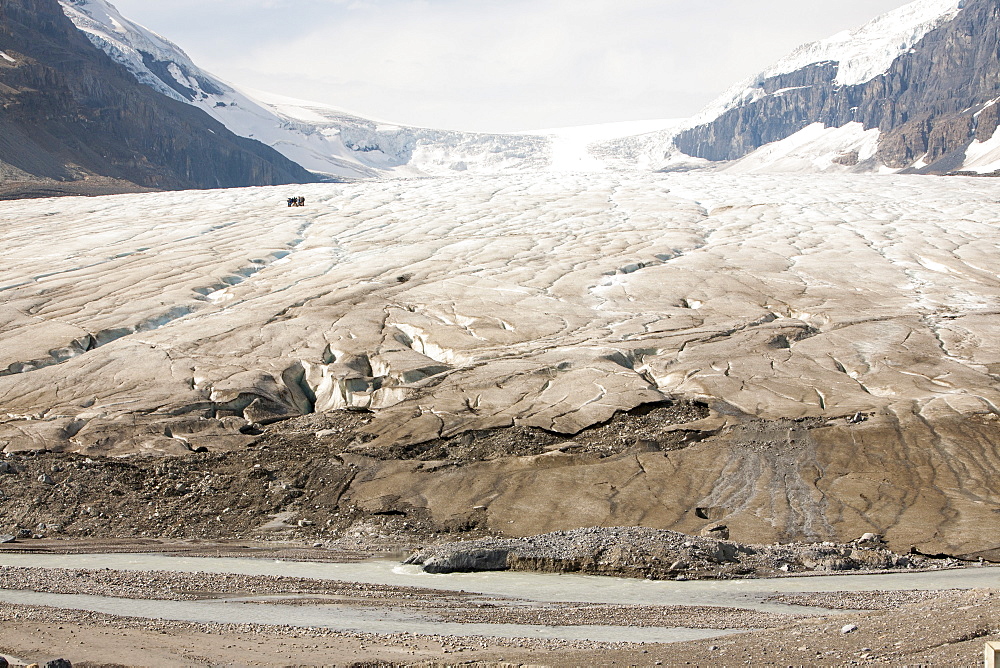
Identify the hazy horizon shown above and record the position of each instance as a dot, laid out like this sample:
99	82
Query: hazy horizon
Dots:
491	66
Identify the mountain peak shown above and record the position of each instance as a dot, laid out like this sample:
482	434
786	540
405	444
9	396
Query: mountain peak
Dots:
918	76
858	55
70	114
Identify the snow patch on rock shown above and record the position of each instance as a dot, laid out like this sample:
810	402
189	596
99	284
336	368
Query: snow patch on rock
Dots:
126	41
813	149
983	157
862	54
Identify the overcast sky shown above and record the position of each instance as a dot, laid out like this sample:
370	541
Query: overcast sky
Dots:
497	65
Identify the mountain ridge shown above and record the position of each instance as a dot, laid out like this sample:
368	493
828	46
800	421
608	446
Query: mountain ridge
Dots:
320	137
900	93
70	114
933	101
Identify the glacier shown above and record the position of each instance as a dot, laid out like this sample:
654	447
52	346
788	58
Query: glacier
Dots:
840	330
837	329
545	300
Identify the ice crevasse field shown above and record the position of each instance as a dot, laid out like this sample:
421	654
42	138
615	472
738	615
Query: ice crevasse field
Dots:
544	299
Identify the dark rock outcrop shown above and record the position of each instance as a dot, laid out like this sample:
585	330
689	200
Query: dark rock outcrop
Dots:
933	100
68	112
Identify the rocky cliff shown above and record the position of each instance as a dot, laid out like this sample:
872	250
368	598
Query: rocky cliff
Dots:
70	113
931	103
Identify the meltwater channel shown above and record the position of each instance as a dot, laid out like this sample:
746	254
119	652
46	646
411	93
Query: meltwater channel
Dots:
535	587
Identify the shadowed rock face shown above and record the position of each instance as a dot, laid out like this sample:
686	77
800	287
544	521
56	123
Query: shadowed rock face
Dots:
927	103
68	111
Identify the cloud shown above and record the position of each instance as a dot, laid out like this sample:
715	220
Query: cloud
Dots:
497	65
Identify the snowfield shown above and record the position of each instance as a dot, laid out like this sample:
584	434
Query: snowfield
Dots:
166	321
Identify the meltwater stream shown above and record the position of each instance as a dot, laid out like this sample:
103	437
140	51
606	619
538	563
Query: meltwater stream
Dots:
343	618
542	588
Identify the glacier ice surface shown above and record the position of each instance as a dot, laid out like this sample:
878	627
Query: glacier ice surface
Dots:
472	301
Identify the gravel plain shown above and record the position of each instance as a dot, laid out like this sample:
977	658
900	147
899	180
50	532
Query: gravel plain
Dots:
859	600
947	629
440	605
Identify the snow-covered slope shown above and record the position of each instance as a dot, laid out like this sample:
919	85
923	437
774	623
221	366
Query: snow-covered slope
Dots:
438	152
983	154
162	65
402	149
328	140
582	148
319	137
813	150
140	50
983	157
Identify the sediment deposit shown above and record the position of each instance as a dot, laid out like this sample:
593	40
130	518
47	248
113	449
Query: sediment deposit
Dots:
652	554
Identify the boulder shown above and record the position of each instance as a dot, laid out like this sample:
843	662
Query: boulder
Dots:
717	531
57	663
466	561
871	540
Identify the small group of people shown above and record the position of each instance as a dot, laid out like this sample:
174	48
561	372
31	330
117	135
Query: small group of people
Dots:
296	201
